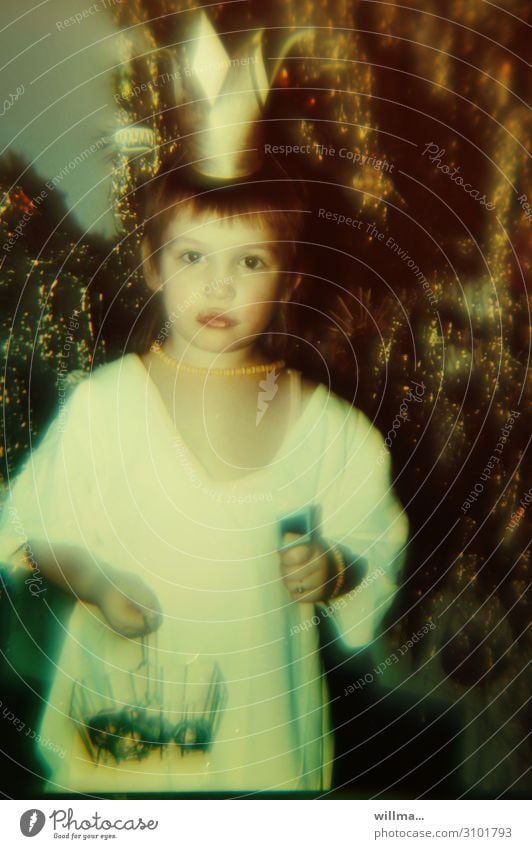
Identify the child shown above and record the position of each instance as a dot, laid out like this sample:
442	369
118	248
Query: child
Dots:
156	498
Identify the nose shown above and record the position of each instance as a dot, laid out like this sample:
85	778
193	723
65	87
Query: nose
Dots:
222	286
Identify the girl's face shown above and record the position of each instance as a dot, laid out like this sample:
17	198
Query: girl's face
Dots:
222	282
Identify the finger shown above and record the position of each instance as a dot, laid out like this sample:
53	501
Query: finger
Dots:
153	621
308	569
306	539
303	586
290	540
296	556
295	575
148	607
142	597
309	550
131	624
309	574
291	536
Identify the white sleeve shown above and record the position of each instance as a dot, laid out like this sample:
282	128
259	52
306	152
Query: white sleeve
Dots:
54	496
361	512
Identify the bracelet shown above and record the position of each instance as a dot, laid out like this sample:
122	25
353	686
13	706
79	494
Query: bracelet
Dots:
340	567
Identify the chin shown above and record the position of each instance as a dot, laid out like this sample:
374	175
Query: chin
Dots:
223	342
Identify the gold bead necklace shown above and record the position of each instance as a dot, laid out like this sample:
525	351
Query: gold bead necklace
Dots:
215	372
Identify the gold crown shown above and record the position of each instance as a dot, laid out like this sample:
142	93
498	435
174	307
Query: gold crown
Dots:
223	99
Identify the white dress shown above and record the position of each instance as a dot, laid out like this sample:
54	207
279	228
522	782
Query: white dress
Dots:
113	475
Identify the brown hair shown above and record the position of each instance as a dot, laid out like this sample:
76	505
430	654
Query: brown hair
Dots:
269	196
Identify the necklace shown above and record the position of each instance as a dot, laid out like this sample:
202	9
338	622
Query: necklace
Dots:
215	372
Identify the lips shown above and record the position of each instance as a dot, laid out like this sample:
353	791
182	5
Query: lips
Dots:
216	319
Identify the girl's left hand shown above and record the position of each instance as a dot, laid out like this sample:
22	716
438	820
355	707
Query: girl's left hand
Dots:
305	570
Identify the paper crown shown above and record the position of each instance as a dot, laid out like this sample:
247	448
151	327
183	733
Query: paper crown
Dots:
222	101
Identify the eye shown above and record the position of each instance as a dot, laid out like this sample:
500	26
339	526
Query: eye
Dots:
192	257
253	262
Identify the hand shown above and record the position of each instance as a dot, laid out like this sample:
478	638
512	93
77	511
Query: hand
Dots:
129	605
305	570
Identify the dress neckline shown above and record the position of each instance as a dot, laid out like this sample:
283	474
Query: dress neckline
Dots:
289	436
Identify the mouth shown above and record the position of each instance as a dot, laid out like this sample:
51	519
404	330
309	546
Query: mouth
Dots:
214	319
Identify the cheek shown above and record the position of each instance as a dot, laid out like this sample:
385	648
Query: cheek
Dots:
263	300
261	288
260	314
183	307
180	289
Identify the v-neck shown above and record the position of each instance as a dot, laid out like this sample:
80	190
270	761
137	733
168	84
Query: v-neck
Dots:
289	436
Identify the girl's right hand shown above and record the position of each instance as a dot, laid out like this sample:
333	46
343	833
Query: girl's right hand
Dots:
129	605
